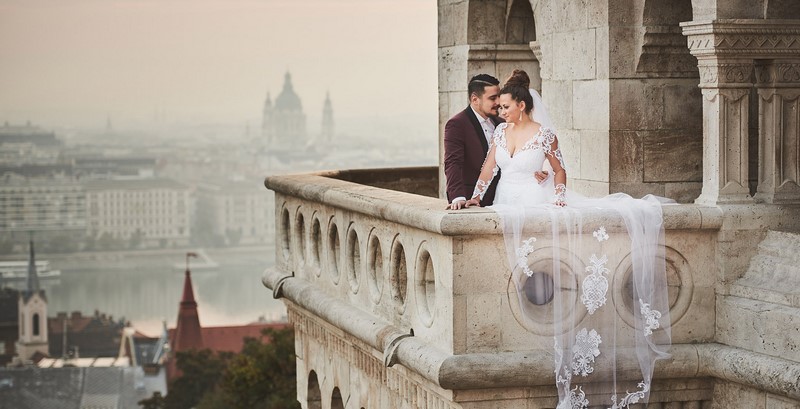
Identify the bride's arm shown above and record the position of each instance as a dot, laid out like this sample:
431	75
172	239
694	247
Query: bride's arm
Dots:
553	154
488	172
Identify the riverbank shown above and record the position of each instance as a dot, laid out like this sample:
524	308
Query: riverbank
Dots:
152	258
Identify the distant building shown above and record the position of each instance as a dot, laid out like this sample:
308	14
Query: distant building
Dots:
101	167
27	144
76	335
189	335
237	211
284	124
154	212
9	324
78	384
10	134
267	126
56	205
327	120
32	308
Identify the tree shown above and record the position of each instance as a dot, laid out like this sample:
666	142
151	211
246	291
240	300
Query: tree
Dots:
201	371
264	374
261	376
154	402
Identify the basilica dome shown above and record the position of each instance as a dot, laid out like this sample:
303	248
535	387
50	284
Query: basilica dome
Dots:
288	100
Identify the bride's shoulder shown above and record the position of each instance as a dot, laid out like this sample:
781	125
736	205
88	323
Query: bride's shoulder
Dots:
500	129
547	134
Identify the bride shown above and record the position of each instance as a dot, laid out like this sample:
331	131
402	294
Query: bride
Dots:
588	349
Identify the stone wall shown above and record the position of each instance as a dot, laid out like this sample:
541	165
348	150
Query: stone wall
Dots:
617	78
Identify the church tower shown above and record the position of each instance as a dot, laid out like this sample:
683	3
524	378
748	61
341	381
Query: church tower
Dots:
289	121
267	130
188	334
32	315
187	330
327	119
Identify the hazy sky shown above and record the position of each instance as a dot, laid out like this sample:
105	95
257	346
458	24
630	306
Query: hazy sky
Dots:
75	62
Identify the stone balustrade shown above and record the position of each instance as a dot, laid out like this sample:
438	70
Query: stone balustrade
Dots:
443	274
375	272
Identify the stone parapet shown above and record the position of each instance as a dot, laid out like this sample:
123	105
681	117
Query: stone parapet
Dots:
313	311
418	302
402	257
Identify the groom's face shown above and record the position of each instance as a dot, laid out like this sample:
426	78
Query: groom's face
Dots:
486	104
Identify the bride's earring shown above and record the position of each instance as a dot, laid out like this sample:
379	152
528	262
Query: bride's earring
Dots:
520	116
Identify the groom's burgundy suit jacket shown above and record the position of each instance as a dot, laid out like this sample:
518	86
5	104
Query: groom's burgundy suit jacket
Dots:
465	149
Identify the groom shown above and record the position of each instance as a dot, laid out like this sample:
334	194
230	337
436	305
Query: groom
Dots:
466	141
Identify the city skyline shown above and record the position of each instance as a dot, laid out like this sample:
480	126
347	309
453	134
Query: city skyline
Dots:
209	61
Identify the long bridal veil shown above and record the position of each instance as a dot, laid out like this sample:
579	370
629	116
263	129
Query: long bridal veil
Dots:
598	265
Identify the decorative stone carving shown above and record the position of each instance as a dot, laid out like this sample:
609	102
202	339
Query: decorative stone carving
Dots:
725	143
776	74
779	131
715	74
742	38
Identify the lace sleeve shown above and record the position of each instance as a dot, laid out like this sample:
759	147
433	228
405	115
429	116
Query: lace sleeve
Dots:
551	148
489	169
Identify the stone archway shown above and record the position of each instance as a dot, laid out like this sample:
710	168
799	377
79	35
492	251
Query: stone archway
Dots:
336	399
314	396
663	50
520	24
499	36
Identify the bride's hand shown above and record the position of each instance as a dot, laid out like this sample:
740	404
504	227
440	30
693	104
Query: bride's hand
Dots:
473	202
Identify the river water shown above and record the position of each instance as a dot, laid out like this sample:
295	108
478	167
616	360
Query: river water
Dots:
146	287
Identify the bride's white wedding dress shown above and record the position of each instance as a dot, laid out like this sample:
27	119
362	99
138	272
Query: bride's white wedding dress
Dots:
518	184
589	349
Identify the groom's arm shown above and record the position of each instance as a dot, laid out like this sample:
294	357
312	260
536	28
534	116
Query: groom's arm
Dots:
454	159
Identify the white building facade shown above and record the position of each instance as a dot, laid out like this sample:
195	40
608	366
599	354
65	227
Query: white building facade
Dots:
155	210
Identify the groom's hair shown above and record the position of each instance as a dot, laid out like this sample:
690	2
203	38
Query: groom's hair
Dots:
477	85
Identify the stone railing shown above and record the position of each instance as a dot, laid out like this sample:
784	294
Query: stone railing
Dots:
367	266
443	274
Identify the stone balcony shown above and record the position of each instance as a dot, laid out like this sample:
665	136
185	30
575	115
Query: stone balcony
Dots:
375	272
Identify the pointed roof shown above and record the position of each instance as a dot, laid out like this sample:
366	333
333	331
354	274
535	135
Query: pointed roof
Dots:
288	100
187	331
327	105
33	276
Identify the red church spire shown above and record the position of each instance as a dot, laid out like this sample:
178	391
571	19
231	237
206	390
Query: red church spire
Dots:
187	331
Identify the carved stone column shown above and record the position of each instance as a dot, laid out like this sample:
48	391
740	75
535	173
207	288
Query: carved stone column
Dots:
778	84
725	51
726	96
725	82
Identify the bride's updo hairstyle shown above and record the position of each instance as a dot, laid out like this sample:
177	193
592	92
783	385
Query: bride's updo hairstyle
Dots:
517	86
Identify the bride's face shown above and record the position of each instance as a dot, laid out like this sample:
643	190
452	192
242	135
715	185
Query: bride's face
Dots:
509	109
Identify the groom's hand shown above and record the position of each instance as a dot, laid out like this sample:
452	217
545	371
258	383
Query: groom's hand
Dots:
473	202
457	204
541	176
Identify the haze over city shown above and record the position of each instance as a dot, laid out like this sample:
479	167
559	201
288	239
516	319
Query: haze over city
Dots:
84	63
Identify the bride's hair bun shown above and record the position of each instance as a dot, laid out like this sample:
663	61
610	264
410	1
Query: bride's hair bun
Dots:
517	86
519	78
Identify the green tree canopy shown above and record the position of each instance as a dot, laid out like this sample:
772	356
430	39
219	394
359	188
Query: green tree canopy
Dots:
261	376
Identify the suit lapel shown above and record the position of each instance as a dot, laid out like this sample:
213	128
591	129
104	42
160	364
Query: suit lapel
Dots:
478	129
